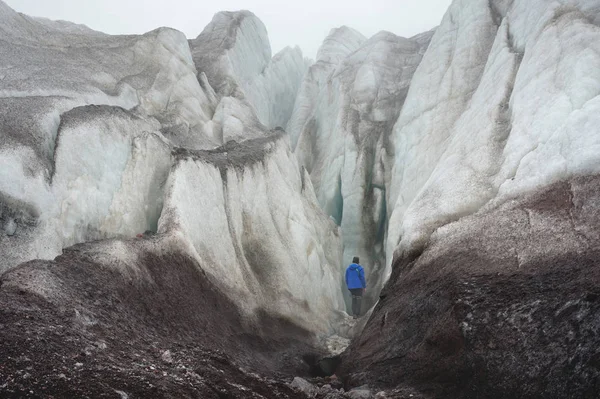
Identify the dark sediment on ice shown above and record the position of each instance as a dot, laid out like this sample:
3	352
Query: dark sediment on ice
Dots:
504	303
125	316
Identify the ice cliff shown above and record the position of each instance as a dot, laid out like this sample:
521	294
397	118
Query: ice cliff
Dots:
342	124
253	88
102	137
250	216
402	136
493	208
508	113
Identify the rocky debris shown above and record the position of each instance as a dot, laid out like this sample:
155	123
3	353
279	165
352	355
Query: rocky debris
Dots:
503	303
167	333
402	393
331	388
336	344
362	392
167	357
304	386
322	366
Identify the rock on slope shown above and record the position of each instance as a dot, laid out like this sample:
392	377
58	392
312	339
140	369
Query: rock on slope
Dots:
493	204
342	124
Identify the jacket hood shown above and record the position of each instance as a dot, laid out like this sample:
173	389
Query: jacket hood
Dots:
354	266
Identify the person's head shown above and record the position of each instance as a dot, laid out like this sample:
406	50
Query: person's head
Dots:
355	260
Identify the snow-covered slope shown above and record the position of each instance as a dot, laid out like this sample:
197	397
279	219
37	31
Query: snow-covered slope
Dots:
235	54
506	101
342	121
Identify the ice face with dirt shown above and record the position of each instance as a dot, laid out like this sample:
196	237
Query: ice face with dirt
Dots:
504	102
49	69
95	132
341	125
52	68
251	219
109	170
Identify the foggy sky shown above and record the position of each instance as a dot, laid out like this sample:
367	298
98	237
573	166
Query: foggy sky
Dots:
301	22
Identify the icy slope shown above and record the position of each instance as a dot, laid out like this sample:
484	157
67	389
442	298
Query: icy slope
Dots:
250	217
342	121
506	101
234	53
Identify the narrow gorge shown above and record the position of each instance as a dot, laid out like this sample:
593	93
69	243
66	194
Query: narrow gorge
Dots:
176	216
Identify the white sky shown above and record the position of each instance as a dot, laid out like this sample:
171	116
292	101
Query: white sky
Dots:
301	22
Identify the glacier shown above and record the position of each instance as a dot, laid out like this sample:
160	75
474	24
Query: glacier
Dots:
492	202
94	148
489	133
461	165
342	124
269	244
254	89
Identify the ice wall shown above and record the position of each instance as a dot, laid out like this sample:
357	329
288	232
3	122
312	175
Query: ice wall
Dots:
397	136
251	219
102	136
341	125
110	167
504	102
54	195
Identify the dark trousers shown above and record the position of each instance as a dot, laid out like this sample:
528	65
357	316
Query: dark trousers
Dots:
356	298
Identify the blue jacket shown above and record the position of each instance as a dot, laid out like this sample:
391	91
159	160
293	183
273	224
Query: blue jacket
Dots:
355	277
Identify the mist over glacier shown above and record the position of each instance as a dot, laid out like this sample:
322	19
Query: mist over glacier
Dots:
212	191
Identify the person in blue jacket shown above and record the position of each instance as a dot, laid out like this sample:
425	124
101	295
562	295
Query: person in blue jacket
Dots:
356	283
